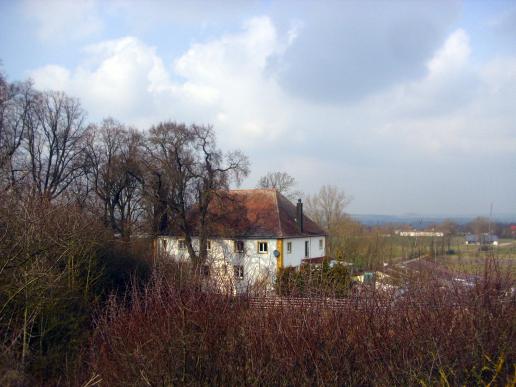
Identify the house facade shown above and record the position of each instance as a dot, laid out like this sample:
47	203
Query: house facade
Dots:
253	234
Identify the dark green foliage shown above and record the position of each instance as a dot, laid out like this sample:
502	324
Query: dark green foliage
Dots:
314	280
57	266
121	263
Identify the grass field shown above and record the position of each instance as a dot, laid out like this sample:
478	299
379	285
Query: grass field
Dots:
476	264
459	257
471	259
401	248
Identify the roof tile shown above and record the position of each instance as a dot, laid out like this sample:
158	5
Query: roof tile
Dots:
257	213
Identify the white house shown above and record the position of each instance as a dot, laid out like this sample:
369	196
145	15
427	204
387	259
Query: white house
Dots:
253	233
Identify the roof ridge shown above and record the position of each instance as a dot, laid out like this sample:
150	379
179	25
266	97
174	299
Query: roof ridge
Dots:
280	226
252	189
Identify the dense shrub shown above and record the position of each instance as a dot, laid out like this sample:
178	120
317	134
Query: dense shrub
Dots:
432	335
57	266
314	280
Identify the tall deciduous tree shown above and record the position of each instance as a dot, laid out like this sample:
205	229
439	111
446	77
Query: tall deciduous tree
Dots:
449	229
16	104
114	167
281	181
327	206
55	142
479	225
192	171
327	209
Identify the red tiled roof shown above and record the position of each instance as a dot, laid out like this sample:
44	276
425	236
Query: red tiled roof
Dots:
258	213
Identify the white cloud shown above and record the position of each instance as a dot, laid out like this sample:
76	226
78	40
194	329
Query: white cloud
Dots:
222	81
52	77
452	56
455	111
60	20
225	82
121	78
450	110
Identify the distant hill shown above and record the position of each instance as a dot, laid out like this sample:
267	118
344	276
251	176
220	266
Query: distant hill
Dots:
423	221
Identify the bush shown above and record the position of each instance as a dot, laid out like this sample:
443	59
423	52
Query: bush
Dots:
57	266
432	335
311	280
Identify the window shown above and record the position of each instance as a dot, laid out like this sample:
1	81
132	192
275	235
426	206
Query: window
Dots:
182	244
239	271
307	249
205	270
289	247
321	244
263	247
239	246
208	245
164	244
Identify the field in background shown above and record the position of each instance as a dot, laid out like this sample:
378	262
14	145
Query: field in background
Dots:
454	254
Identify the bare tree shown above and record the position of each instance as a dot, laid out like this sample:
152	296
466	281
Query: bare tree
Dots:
449	228
281	181
16	102
479	225
115	171
327	206
54	143
192	171
156	197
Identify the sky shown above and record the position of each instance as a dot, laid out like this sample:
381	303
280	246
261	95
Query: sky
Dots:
408	107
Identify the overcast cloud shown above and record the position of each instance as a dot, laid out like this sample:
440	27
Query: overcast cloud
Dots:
399	104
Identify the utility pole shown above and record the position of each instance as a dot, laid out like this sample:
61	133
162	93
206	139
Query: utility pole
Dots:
490	216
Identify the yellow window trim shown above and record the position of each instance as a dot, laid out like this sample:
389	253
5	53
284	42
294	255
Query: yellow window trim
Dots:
279	262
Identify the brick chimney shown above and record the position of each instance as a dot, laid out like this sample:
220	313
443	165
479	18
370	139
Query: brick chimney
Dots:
299	215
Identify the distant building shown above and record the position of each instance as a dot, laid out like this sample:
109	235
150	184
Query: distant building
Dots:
419	233
482	239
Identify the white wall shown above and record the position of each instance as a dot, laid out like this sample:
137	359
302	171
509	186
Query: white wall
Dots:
259	269
298	250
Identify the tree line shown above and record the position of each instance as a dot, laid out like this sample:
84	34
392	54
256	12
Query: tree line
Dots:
135	181
79	202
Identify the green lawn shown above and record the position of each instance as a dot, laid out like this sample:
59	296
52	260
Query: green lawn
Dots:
468	259
472	260
452	253
476	264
